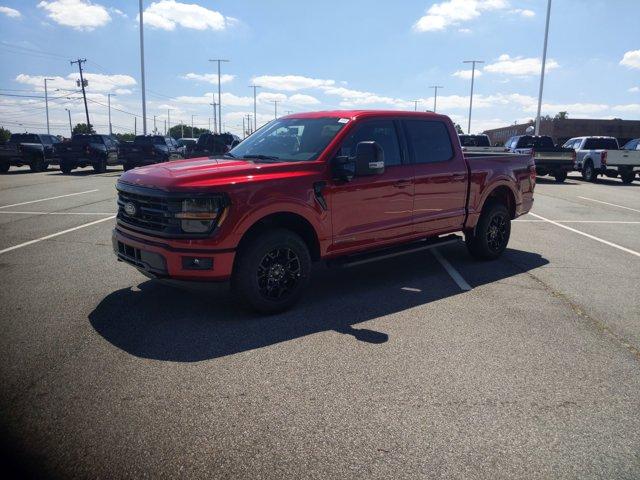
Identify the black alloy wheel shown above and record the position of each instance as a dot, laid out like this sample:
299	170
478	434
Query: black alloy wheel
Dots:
279	273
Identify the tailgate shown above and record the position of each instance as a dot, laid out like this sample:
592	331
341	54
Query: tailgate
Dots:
623	157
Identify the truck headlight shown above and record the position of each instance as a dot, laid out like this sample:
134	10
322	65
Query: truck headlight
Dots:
198	215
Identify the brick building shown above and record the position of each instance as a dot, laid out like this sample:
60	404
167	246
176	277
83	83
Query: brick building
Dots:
562	130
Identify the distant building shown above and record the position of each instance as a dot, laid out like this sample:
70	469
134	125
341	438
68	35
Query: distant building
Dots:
562	130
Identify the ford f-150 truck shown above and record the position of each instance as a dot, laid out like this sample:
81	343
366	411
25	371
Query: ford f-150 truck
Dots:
35	150
99	151
478	143
550	159
149	149
345	187
602	156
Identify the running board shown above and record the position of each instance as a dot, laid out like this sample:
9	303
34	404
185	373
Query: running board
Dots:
362	258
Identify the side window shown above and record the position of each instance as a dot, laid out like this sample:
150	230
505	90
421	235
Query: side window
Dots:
45	139
429	141
381	131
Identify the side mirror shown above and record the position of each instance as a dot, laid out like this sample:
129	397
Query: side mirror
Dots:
369	158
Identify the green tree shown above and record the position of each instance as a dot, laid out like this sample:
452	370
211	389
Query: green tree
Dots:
177	131
4	134
561	116
125	137
459	129
82	128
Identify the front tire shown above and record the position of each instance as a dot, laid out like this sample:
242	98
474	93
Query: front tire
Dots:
65	168
100	166
4	167
492	233
627	177
272	271
37	165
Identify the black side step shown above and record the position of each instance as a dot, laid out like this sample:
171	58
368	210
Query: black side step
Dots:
362	258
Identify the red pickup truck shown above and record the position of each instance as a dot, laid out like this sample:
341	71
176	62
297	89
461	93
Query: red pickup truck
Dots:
343	186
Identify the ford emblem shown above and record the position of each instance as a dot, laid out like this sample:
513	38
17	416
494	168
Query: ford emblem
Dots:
130	209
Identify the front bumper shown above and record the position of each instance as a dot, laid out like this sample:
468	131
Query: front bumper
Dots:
161	260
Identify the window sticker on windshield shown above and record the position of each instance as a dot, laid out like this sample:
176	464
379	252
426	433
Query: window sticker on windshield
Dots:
343	120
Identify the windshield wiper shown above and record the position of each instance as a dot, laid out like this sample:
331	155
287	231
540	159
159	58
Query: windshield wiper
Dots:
262	157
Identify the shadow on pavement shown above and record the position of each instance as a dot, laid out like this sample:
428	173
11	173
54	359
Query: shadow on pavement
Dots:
164	322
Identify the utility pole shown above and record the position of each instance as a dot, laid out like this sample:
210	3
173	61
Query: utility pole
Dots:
255	114
155	130
244	131
219	93
70	127
109	106
169	121
249	131
275	105
435	96
82	83
144	99
46	102
213	104
415	105
544	61
473	75
181	129
165	128
192	126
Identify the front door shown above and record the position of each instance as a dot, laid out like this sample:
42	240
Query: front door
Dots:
373	210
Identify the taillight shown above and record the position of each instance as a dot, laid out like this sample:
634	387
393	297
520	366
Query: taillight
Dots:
574	155
603	157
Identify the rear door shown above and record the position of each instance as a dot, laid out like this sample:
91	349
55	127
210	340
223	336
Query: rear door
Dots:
373	210
440	176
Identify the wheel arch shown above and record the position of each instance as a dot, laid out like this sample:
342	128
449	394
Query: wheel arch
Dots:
505	195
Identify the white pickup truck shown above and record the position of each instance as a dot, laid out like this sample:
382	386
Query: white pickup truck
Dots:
602	156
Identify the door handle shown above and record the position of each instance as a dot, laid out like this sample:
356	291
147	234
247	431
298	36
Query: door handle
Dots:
458	178
403	183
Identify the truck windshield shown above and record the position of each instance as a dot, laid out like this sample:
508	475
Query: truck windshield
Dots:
601	144
290	139
24	138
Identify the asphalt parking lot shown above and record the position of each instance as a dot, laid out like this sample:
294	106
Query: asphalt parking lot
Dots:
424	366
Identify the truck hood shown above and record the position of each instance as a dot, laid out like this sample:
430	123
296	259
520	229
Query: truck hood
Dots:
206	172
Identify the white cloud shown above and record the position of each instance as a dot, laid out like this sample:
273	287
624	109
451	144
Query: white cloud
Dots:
209	77
634	89
519	66
465	74
441	15
629	108
631	59
290	82
97	82
353	98
78	14
166	14
300	99
10	12
464	30
523	12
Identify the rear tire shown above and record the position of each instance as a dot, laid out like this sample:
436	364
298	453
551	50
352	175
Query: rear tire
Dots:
100	166
491	236
560	176
4	167
627	177
271	271
37	165
589	172
65	168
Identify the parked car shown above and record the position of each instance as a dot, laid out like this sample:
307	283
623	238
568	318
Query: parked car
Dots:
33	149
346	187
149	149
478	143
602	156
212	144
550	159
99	151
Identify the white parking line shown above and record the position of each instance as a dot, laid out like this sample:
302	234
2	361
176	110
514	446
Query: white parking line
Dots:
31	242
49	198
592	237
453	273
580	221
611	204
58	213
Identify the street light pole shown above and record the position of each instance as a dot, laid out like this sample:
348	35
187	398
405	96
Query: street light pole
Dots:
215	121
192	126
255	115
144	100
544	61
435	96
415	105
169	121
275	105
109	107
70	127
219	93
46	102
473	76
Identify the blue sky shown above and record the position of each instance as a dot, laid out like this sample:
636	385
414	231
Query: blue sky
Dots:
317	55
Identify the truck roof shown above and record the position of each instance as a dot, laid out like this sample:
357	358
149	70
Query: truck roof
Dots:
353	114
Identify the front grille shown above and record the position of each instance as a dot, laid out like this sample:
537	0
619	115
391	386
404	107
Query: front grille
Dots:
154	211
